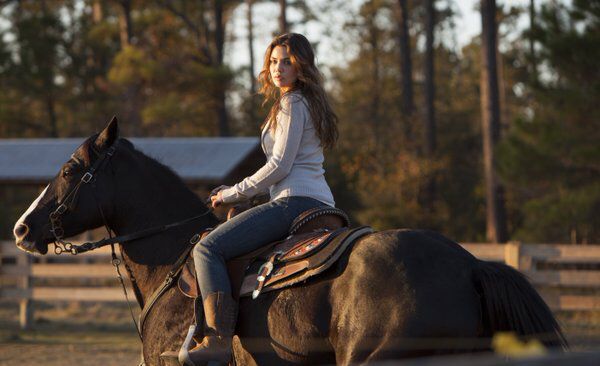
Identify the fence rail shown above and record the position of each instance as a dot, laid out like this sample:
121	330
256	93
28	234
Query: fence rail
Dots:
574	288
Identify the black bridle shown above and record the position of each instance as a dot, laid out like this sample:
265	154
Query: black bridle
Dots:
68	203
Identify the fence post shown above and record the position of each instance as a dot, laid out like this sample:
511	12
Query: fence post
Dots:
25	304
526	259
512	254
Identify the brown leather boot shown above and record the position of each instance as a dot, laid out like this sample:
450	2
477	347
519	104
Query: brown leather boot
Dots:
220	314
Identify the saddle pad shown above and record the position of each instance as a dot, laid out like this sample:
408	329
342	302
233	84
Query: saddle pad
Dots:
289	273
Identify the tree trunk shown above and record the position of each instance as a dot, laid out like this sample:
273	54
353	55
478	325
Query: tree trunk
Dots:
430	141
49	95
490	113
378	141
132	93
283	24
219	31
219	37
251	114
430	125
375	97
97	60
534	70
51	114
125	24
97	11
405	60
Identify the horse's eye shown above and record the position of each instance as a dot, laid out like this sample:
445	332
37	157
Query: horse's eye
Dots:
66	172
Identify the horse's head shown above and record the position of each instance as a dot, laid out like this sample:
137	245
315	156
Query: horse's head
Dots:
76	199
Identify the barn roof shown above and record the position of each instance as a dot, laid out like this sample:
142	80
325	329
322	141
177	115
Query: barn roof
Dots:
195	159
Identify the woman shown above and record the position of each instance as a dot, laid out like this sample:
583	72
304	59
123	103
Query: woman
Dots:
300	124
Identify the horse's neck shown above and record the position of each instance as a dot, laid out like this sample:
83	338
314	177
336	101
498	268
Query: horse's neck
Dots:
149	259
148	265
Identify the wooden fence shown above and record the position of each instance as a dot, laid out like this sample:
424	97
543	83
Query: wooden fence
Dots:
88	277
567	276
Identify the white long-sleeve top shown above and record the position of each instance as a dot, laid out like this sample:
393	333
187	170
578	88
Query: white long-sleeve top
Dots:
295	158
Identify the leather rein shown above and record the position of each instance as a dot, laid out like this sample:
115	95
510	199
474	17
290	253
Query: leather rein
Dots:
62	246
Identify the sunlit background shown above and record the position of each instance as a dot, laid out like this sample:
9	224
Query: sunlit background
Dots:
411	152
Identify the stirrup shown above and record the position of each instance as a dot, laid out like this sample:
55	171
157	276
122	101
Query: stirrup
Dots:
184	354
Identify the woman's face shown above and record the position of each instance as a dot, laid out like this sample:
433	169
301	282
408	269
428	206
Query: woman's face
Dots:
283	73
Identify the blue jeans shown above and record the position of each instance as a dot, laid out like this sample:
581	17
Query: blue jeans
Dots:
244	233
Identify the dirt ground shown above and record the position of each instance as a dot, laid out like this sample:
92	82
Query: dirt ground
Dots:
103	334
30	353
78	334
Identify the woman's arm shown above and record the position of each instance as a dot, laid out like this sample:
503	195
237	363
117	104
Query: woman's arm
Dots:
290	126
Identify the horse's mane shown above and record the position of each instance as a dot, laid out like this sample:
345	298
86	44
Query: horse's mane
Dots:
88	151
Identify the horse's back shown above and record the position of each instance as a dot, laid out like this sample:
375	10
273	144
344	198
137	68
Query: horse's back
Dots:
398	286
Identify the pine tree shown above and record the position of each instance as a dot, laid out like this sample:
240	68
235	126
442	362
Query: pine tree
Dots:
551	155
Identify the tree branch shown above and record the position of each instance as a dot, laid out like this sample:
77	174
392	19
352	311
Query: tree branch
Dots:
199	30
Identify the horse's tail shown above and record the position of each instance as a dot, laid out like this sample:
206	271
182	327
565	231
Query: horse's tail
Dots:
510	303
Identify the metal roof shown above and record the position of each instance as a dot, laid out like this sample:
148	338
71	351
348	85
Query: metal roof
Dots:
193	158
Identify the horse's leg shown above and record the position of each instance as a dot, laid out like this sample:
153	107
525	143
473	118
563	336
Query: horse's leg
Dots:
400	293
166	325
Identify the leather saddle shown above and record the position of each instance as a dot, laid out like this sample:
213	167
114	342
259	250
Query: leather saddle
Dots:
317	238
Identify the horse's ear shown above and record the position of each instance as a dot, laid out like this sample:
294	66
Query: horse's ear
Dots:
109	135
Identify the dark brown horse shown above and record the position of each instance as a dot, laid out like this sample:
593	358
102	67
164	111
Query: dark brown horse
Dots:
396	294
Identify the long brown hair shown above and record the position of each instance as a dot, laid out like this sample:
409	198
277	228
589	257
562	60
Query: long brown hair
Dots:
309	83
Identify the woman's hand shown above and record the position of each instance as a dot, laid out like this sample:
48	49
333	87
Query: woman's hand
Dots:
216	199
